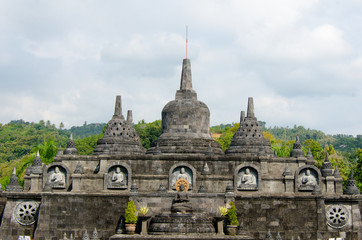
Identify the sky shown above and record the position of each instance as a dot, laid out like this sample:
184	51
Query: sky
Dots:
65	61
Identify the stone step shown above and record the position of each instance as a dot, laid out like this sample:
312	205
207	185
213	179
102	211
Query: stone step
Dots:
177	237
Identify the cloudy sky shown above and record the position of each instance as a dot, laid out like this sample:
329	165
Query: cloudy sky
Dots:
301	60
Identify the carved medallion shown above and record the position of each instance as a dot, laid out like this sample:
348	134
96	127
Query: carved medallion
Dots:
26	213
184	182
337	216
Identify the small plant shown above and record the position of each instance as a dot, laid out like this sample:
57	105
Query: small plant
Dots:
233	219
223	211
143	210
131	216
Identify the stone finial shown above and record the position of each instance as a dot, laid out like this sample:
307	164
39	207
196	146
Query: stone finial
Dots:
36	167
297	149
351	188
129	117
336	173
94	235
118	108
206	169
209	151
70	149
316	190
60	151
14	183
134	187
278	237
159	170
71	236
229	188
250	113
326	168
268	236
186	79
287	171
309	155
85	236
79	168
242	116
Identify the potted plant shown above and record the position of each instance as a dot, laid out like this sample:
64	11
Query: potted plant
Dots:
220	219
143	211
232	220
131	217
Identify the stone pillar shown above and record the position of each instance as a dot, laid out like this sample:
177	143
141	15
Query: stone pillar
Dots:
144	226
289	184
338	185
76	182
220	225
330	185
27	183
36	183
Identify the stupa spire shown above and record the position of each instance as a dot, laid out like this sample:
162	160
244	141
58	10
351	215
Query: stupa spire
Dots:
242	116
129	117
186	79
118	108
250	113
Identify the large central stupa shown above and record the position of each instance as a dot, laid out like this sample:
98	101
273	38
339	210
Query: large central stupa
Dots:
185	122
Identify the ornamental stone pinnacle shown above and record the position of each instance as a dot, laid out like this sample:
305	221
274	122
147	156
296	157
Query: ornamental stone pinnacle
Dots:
36	167
13	185
185	122
326	168
120	136
297	149
70	149
249	139
85	236
351	188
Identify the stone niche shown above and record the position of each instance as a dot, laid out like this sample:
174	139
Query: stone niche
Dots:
307	178
184	171
247	178
117	176
57	176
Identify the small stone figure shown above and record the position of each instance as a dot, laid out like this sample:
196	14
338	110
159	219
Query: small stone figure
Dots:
248	180
57	177
85	236
181	203
308	179
118	177
183	175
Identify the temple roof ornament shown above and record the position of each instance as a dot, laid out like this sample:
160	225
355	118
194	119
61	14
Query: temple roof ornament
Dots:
297	149
13	185
185	122
326	168
287	171
351	188
70	149
249	138
120	136
310	155
36	167
336	173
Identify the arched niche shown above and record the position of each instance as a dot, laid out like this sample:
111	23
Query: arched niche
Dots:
56	175
117	176
182	170
247	177
307	177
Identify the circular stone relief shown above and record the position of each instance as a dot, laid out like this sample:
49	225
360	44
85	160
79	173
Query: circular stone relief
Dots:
337	216
26	212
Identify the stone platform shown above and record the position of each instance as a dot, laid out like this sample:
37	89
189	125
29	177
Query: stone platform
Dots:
175	237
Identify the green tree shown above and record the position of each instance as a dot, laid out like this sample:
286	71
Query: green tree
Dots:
225	139
148	132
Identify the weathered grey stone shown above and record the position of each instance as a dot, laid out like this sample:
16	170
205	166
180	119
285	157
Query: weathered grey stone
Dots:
162	188
326	168
79	168
229	188
85	235
351	188
287	171
65	236
268	235
310	155
185	122
13	185
202	188
120	136
336	173
249	138
70	149
28	170
205	170
297	149
60	151
94	235
36	167
278	237
316	190
134	187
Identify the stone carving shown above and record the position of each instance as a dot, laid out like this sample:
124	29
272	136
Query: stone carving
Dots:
337	216
229	188
182	182
26	213
13	183
36	167
85	236
181	203
70	149
308	180
326	168
117	178
94	235
351	188
247	179
57	177
79	168
134	187
205	170
287	171
182	173
297	149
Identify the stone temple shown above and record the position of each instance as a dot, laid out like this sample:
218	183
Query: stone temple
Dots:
183	179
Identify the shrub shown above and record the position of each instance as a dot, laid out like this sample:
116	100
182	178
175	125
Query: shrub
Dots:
131	216
233	219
